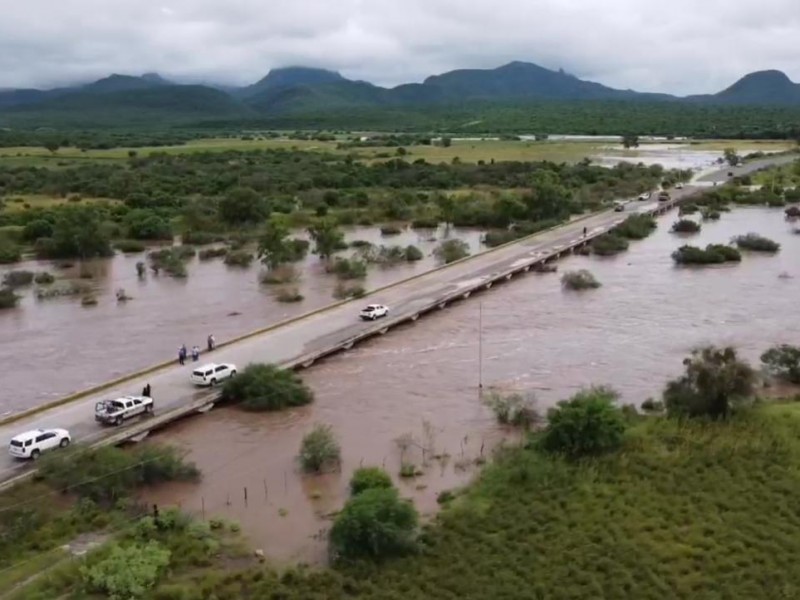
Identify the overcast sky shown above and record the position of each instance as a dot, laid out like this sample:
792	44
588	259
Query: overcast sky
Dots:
676	46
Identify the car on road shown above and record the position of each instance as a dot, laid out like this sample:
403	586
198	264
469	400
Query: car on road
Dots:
679	186
114	412
645	196
663	196
374	311
212	374
619	206
32	443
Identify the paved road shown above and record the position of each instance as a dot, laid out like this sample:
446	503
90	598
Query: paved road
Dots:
747	168
171	387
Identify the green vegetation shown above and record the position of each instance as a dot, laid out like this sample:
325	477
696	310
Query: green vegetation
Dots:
130	246
451	250
609	244
77	233
18	278
391	230
783	362
348	268
685	226
239	258
9	253
756	243
636	227
715	383
212	253
289	295
712	255
43	278
579	280
367	478
375	524
513	409
129	571
319	450
344	290
263	387
8	299
709	214
588	424
327	237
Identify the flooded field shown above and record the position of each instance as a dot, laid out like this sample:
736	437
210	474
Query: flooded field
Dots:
527	335
87	345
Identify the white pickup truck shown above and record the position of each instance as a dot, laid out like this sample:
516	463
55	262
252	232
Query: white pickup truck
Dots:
114	412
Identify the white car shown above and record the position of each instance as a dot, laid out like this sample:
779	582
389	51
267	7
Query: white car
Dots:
212	374
32	443
679	186
645	196
114	412
374	311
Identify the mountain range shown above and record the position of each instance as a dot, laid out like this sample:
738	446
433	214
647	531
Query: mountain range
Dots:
125	99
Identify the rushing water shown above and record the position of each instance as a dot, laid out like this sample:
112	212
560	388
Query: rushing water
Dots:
86	346
632	334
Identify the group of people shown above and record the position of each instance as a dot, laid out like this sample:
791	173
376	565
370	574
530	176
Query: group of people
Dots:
183	352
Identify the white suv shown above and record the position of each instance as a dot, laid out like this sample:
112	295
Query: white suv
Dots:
212	374
32	443
374	311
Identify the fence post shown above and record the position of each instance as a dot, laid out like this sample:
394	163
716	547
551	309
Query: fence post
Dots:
245	496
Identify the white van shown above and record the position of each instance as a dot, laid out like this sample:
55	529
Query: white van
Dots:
32	443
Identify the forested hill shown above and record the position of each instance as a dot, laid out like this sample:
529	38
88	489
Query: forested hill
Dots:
542	100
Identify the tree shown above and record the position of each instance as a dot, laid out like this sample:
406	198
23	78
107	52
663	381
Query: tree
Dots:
267	387
447	142
368	478
375	524
319	449
630	141
328	238
38	228
447	207
145	224
714	383
52	146
78	233
588	424
731	157
783	362
127	571
242	206
273	246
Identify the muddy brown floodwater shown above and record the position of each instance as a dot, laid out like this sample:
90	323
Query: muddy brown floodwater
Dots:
631	333
87	346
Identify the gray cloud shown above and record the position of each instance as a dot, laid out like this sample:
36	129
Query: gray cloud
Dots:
684	46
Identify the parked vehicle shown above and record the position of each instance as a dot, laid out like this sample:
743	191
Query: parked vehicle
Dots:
32	443
663	196
679	186
619	206
645	196
212	373
374	311
114	412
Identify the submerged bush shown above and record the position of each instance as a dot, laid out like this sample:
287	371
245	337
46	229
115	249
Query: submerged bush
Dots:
588	424
239	258
319	449
376	524
513	409
391	230
783	362
348	268
793	212
609	244
212	253
579	280
685	226
413	254
710	214
636	227
8	299
492	239
130	246
262	387
756	243
368	478
279	275
342	291
713	254
43	278
288	295
201	238
451	250
18	278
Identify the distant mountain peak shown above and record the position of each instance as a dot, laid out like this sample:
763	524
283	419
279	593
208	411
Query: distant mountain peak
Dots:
762	87
286	77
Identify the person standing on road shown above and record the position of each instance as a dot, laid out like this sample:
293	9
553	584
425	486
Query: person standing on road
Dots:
146	391
195	353
182	354
211	342
584	232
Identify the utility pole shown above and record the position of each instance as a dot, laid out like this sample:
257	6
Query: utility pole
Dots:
480	345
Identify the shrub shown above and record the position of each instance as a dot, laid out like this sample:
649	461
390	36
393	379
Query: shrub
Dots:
130	246
492	239
43	278
201	238
319	449
348	268
38	228
652	406
793	212
713	254
513	409
685	226
239	258
212	253
783	362
579	280
636	227
368	478
375	524
8	299
262	387
145	224
108	474
9	253
715	382
126	572
278	275
756	243
296	249
451	250
19	278
687	208
425	223
609	244
361	244
710	214
412	253
391	230
588	424
288	294
342	291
